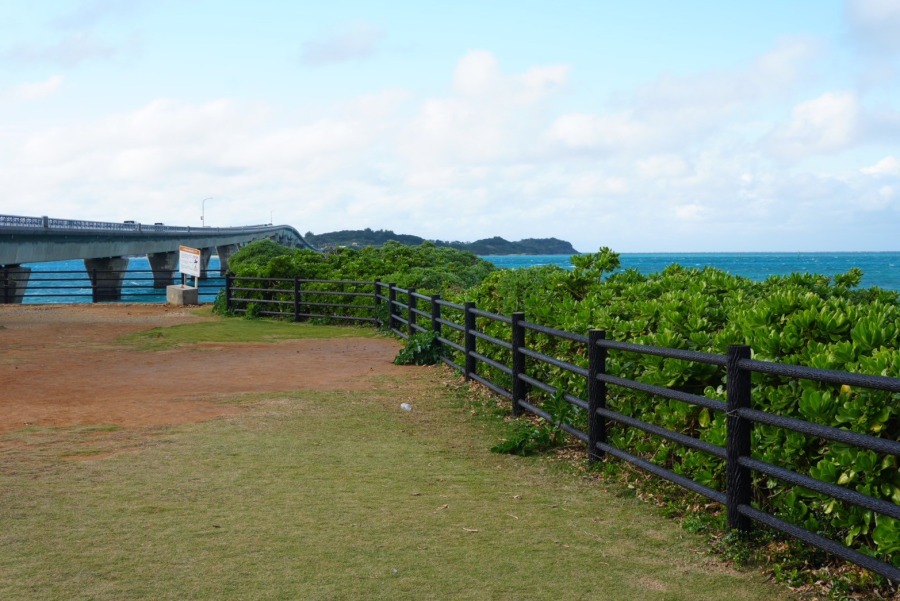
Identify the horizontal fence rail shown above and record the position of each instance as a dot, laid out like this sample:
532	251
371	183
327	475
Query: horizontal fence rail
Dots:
303	299
79	286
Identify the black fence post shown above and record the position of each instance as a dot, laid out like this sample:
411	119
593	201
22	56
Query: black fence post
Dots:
436	314
6	295
519	386
471	365
296	298
596	394
229	282
412	305
392	298
738	482
377	289
436	317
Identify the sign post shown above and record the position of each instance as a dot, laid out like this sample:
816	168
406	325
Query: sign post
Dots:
189	264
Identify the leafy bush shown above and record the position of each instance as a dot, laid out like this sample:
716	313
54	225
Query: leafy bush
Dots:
427	267
421	349
800	319
219	306
253	311
526	438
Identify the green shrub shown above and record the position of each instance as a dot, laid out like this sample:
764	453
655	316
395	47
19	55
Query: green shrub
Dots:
428	268
526	438
253	311
219	305
422	348
800	319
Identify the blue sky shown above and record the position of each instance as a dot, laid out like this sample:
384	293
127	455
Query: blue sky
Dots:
644	126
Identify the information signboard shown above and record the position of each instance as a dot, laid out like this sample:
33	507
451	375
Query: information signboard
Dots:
189	261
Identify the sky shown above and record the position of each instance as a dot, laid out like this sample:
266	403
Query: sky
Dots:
645	126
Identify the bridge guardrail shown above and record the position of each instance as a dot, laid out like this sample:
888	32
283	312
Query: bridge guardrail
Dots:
16	221
30	240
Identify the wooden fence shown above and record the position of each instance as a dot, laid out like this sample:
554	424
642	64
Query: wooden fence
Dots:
460	332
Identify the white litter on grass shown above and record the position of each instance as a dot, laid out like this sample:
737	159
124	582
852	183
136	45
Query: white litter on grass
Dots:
406	406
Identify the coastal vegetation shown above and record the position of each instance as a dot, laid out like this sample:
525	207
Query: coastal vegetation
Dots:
486	246
427	266
803	319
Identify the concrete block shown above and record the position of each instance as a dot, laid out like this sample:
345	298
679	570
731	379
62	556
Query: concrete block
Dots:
181	295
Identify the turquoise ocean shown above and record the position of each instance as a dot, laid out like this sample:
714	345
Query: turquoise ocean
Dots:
880	269
67	281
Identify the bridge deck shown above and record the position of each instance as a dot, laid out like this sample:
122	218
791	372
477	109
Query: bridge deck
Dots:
105	246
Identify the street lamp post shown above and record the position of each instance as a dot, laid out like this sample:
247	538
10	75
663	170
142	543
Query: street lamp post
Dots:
203	211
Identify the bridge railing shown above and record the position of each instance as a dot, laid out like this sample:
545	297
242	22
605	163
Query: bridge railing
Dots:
52	223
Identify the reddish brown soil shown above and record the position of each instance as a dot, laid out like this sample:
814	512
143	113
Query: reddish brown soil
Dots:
63	365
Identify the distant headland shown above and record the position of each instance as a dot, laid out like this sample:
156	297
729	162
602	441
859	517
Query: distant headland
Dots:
487	246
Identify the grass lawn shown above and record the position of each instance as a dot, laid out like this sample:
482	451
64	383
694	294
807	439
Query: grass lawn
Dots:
331	495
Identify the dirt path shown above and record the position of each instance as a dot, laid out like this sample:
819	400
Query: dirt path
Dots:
61	365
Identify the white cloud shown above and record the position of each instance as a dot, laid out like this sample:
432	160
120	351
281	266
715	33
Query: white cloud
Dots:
539	82
672	113
595	186
824	125
689	212
888	166
490	117
662	166
604	133
130	157
37	90
456	130
355	42
476	74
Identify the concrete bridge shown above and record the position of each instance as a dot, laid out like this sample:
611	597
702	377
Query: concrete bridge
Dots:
105	248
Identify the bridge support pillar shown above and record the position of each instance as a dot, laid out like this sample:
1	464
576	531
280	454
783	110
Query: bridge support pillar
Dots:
164	266
225	253
106	277
13	282
205	254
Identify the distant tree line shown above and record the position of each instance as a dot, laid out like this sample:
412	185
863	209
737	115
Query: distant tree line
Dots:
487	246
